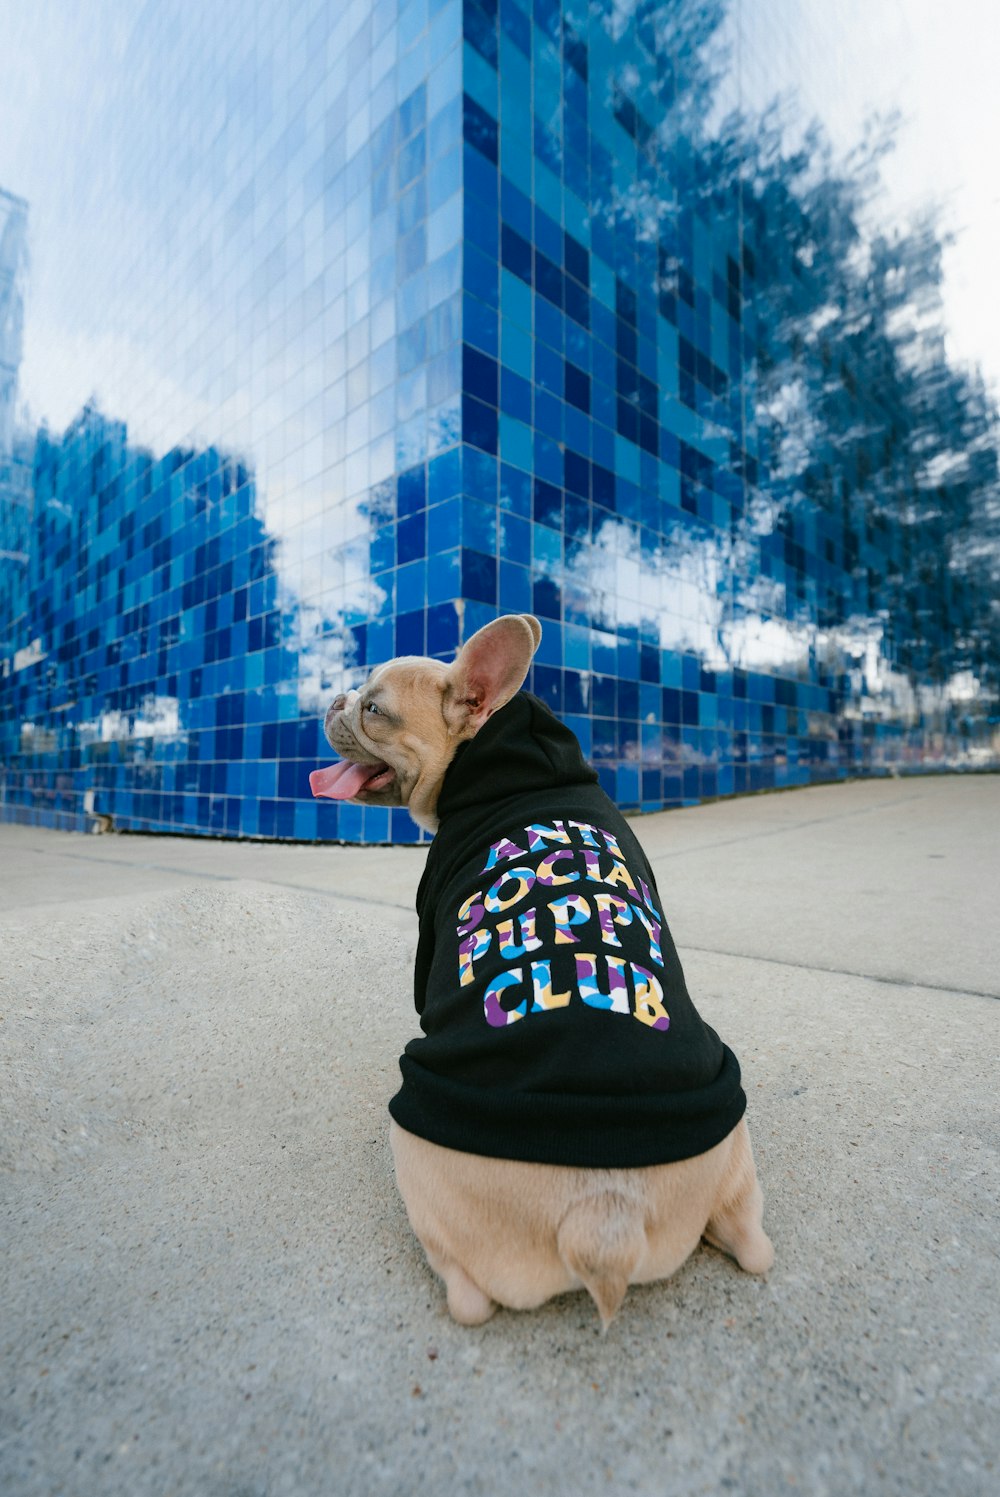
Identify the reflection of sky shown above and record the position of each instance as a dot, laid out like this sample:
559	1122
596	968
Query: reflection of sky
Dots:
936	64
138	289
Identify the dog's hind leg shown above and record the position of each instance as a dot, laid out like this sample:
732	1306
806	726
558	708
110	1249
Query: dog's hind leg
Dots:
736	1222
466	1301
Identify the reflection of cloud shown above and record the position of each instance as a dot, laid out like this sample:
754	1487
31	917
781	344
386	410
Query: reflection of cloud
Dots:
797	430
692	593
127	376
320	631
324	582
157	717
324	668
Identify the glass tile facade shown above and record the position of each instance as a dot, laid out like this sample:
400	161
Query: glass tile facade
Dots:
403	315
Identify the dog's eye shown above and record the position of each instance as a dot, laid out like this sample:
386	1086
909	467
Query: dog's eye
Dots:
371	707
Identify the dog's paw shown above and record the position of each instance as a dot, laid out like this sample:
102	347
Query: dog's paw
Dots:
756	1255
466	1301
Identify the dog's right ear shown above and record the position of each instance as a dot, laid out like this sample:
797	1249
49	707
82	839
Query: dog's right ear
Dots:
488	670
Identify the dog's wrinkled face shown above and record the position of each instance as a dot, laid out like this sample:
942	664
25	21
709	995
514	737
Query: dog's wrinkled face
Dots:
399	732
391	736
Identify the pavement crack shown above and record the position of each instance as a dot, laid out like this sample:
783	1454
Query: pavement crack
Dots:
231	878
780	831
892	982
366	899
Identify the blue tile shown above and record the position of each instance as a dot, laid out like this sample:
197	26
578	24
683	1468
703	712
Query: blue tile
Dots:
442	629
444	577
515	591
479	576
411	586
411	538
479	525
411	491
444	476
411	633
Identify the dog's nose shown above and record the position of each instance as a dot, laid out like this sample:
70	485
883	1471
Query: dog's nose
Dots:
331	715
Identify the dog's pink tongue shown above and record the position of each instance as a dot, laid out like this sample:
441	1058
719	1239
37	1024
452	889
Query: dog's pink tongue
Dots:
340	781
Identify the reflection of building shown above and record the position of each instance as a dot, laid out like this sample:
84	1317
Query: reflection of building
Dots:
153	690
502	321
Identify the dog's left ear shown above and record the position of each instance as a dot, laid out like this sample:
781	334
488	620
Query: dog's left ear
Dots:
488	670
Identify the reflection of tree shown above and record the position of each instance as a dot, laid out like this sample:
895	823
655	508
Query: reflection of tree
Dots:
865	418
864	546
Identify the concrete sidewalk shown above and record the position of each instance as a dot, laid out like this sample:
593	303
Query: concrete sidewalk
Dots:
208	1284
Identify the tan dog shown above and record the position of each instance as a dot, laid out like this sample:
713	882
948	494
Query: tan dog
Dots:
516	1231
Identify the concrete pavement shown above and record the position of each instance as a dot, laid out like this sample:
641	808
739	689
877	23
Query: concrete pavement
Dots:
208	1284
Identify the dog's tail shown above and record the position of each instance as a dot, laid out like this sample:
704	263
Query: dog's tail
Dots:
601	1239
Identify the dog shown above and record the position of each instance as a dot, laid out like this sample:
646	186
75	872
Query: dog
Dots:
566	1118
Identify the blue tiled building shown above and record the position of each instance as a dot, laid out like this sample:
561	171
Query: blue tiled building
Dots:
450	309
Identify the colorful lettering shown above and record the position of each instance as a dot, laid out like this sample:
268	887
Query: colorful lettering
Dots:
651	907
620	875
541	988
612	843
615	996
538	835
470	913
649	999
524	879
612	910
501	851
604	982
546	873
470	950
511	949
495	1012
653	931
573	909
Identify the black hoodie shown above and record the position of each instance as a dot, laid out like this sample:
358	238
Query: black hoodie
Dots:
556	1023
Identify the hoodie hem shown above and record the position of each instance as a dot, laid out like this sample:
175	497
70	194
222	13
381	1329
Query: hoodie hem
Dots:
586	1132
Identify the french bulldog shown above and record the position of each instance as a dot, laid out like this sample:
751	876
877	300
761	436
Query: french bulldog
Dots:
567	1119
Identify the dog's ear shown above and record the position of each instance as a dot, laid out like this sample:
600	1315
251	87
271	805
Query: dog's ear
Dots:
488	670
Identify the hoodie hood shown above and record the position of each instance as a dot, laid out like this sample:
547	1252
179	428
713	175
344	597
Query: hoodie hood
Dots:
521	748
556	1023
